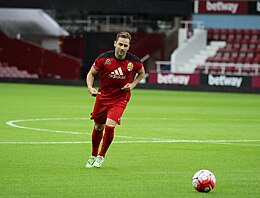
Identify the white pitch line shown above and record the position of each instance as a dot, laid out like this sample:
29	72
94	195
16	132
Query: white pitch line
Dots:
232	143
39	143
143	139
12	124
148	141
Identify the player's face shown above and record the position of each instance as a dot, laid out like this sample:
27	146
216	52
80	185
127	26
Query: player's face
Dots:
121	47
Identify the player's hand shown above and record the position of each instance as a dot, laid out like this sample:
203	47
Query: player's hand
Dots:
127	87
93	91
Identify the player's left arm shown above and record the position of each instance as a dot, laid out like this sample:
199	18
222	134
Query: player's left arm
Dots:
138	78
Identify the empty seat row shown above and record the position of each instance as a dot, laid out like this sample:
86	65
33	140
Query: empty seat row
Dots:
234	69
250	60
240	55
236	54
233	53
239	34
241	41
7	71
234	31
239	50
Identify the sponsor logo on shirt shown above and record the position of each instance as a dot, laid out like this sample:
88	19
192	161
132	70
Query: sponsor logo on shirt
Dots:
108	62
130	66
117	73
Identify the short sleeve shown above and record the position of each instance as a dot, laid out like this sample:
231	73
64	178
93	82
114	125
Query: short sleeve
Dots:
139	66
97	64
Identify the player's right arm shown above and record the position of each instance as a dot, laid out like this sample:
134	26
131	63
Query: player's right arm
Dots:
90	81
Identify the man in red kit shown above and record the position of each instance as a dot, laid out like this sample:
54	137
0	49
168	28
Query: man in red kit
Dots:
117	71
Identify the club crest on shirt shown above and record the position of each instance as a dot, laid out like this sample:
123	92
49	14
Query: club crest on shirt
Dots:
130	66
108	62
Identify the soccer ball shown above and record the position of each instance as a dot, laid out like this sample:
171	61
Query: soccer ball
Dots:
204	181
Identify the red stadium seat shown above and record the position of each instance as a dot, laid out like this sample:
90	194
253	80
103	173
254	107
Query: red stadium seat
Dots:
255	31
225	59
250	53
234	54
254	37
242	49
248	70
231	70
249	60
256	60
213	59
214	69
239	31
226	54
257	51
247	34
239	34
200	69
223	34
252	45
241	59
210	34
233	59
229	46
216	34
255	34
231	34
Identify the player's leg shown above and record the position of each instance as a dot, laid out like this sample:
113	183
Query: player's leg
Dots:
107	140
97	135
108	136
99	115
113	118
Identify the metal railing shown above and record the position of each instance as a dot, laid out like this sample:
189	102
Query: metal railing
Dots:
107	23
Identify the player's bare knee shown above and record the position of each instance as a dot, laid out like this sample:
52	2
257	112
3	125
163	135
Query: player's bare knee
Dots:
110	122
99	127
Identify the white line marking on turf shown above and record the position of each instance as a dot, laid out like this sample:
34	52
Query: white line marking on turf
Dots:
45	143
237	144
149	141
144	140
12	124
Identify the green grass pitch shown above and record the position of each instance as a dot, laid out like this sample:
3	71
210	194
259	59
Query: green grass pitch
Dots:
164	138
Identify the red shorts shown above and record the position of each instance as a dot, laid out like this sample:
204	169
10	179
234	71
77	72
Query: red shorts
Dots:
103	110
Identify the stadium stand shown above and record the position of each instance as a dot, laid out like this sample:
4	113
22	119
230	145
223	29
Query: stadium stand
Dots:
240	55
7	71
30	46
31	59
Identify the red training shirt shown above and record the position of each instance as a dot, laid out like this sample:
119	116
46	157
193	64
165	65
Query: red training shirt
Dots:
115	74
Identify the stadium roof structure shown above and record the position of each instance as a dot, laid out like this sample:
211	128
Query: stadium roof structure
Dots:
35	22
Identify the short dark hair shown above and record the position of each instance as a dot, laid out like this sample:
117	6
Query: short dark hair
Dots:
125	35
